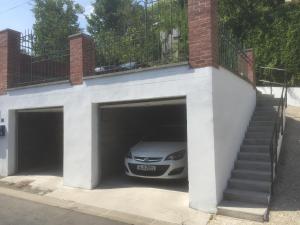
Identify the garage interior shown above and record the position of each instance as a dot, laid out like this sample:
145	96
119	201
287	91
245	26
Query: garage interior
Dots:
126	124
40	141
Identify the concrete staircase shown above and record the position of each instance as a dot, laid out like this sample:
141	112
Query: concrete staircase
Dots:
249	189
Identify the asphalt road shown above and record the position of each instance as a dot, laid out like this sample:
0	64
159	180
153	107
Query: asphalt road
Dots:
15	211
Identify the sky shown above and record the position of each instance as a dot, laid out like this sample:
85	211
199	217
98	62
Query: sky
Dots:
17	14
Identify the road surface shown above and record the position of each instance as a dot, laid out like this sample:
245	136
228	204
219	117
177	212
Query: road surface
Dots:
15	211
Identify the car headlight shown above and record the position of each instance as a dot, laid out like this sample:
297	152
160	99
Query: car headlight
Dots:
129	155
176	156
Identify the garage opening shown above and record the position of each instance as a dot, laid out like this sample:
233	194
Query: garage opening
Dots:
40	141
155	130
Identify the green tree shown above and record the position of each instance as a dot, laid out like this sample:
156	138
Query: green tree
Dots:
112	25
130	30
55	20
271	27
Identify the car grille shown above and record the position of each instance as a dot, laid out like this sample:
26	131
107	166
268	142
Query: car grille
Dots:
160	170
148	159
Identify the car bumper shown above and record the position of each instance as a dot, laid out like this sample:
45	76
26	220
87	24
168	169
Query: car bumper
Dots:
164	169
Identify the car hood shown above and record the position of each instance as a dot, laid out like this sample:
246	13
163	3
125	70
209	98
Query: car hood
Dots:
157	149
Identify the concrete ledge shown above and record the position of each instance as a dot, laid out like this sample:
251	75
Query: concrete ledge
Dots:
40	85
136	70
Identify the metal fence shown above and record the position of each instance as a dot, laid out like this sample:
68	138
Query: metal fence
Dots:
158	35
40	65
232	54
274	77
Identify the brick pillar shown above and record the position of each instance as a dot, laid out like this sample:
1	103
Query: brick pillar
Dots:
82	57
203	33
251	66
9	58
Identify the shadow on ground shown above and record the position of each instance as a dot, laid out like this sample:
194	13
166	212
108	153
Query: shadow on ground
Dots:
123	181
286	195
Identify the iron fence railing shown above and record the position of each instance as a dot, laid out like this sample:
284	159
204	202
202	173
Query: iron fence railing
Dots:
278	79
158	36
232	54
40	65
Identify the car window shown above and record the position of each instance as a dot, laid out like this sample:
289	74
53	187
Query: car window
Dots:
166	133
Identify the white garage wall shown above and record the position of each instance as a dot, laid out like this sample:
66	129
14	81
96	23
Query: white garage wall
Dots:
80	133
219	106
234	101
293	94
201	158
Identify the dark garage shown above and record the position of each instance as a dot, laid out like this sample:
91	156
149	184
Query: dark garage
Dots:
124	125
40	141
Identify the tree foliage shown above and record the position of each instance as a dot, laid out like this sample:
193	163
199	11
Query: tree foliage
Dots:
131	30
55	20
271	28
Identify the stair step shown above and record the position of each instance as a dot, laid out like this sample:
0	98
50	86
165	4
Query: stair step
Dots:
263	117
255	148
267	98
257	141
258	134
253	165
243	210
250	185
248	192
261	128
267	109
264	113
254	156
266	104
262	123
261	95
247	196
251	174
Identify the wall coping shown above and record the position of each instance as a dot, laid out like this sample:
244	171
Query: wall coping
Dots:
39	85
136	70
81	34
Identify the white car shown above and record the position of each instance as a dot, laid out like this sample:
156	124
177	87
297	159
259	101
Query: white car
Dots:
160	160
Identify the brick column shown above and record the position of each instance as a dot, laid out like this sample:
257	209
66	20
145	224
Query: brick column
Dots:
82	57
203	33
251	66
9	58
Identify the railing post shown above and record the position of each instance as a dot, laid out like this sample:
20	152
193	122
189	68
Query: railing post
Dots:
251	66
203	33
286	88
9	58
82	57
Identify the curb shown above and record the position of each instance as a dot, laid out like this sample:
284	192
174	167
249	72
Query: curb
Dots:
85	209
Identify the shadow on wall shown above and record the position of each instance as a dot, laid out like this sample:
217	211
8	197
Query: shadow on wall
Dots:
3	153
287	186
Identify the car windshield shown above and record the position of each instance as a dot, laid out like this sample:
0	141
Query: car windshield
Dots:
167	133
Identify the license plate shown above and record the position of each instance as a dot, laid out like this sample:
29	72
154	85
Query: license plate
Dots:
146	168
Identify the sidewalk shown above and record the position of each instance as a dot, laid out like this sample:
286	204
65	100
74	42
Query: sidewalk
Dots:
136	204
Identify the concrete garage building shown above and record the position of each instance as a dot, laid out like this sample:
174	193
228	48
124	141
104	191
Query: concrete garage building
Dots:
91	120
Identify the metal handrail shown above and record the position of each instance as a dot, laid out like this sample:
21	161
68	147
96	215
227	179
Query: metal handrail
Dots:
278	129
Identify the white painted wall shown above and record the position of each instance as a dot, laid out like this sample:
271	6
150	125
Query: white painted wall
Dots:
201	158
234	101
80	133
215	130
293	94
